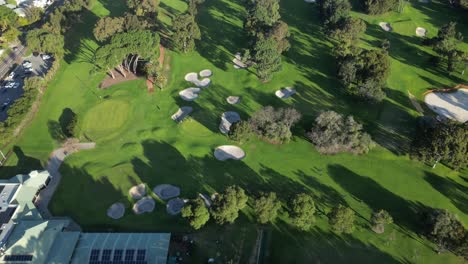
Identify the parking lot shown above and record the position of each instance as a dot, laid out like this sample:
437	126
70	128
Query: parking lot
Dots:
11	88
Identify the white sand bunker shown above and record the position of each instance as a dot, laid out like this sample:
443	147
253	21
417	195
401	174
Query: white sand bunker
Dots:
145	205
182	113
189	94
191	77
137	191
238	64
166	191
174	206
233	99
116	211
453	105
206	73
284	93
203	83
229	152
421	32
385	26
227	119
310	1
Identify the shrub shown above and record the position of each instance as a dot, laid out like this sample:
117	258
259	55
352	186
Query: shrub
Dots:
266	207
376	7
226	205
333	133
241	132
379	220
302	211
274	125
196	213
444	228
341	219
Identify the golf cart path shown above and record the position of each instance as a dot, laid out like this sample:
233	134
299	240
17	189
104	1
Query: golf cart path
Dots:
53	165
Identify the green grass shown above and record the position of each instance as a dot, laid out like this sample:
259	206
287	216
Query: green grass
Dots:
138	142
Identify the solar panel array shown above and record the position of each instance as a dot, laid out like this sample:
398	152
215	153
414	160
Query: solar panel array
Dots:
117	256
18	258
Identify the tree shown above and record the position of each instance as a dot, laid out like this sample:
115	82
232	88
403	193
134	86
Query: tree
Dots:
68	121
266	207
262	15
196	213
41	40
341	219
106	27
186	32
226	206
444	228
376	7
33	14
143	7
302	211
274	125
379	219
442	141
446	42
333	133
267	58
8	18
10	34
280	33
347	34
334	11
241	132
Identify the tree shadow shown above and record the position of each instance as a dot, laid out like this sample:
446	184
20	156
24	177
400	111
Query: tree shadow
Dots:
456	192
115	7
55	130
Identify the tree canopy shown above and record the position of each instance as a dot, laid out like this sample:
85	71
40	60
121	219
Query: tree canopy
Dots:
445	229
446	44
186	31
266	207
274	124
143	7
226	205
341	219
303	211
379	219
42	40
375	7
196	213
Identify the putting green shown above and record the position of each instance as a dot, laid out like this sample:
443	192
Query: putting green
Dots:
106	118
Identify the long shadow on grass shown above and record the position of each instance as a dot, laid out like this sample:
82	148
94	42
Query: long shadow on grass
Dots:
115	7
319	246
456	192
24	165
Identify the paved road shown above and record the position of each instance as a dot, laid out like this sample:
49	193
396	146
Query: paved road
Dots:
53	165
7	63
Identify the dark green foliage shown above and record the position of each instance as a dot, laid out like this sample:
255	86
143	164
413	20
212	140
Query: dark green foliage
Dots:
33	14
341	219
241	132
186	31
196	213
334	11
443	141
444	228
446	45
280	33
143	7
347	33
379	219
107	27
8	18
262	15
365	73
333	133
267	58
44	41
302	211
226	205
376	7
68	121
274	125
266	207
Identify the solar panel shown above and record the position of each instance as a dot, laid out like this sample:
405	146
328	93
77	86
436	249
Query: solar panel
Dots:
141	254
106	255
129	254
18	258
118	253
94	257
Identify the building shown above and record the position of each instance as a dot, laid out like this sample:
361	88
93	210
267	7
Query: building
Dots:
36	3
25	237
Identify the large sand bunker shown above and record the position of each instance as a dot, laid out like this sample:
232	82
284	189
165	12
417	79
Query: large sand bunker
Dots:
229	152
145	205
385	26
193	78
453	105
189	94
284	93
166	191
183	112
421	32
233	99
116	211
174	206
227	119
137	191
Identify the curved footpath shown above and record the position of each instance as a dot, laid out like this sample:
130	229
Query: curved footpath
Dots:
53	165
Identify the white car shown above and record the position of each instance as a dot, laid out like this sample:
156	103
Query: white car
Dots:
16	85
27	64
9	85
46	56
12	75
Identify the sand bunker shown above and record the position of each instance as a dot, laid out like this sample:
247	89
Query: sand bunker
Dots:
191	77
233	99
206	198
284	93
137	191
166	191
229	152
203	83
310	1
189	94
183	112
145	205
385	26
206	73
453	105
238	64
421	32
174	206
227	119
116	211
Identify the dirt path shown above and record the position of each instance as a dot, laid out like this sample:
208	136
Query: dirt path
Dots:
415	103
162	51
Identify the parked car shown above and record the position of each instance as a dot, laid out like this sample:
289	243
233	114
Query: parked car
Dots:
12	75
9	85
15	49
27	64
46	56
16	85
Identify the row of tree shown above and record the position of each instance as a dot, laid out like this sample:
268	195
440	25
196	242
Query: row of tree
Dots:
10	21
268	36
363	72
446	44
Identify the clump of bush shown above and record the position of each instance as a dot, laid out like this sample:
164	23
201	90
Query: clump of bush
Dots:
333	133
274	124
